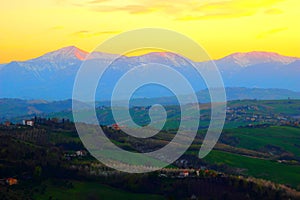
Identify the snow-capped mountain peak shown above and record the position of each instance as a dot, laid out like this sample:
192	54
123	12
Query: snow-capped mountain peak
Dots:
258	57
70	52
56	60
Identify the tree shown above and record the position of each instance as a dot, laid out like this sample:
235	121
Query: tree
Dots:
37	174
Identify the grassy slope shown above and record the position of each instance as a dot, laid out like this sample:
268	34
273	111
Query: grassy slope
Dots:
280	136
267	169
90	190
256	139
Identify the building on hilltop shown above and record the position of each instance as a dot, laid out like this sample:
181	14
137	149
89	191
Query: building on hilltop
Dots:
28	122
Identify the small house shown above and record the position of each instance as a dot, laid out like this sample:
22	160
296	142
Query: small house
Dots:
7	123
80	153
11	181
184	173
28	122
115	127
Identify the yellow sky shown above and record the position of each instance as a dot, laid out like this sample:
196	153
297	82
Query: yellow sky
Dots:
33	27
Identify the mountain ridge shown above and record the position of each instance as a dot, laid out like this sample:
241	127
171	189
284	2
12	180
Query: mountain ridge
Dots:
243	59
51	76
75	52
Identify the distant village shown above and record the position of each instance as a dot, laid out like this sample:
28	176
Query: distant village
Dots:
252	114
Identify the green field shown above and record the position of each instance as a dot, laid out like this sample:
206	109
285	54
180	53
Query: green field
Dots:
89	190
266	169
284	137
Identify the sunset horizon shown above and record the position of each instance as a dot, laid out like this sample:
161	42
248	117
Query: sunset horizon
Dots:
145	52
224	27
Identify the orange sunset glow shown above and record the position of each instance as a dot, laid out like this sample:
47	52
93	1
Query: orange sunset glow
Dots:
32	28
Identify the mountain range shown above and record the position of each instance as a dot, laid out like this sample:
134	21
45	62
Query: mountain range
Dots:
52	75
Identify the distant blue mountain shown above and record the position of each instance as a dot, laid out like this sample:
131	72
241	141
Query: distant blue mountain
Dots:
52	75
14	108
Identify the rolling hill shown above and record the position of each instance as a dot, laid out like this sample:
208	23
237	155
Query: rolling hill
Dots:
14	108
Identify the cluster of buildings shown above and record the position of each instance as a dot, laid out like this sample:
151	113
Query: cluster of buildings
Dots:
253	114
25	122
76	154
34	121
185	173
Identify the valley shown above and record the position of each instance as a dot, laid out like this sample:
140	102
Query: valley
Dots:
249	155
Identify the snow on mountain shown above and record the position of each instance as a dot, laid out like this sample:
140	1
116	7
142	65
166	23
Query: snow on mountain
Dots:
257	57
56	60
167	58
65	53
52	75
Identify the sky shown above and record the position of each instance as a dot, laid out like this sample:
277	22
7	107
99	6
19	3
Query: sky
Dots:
33	27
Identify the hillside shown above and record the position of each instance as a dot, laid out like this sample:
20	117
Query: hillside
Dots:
11	109
232	170
239	113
